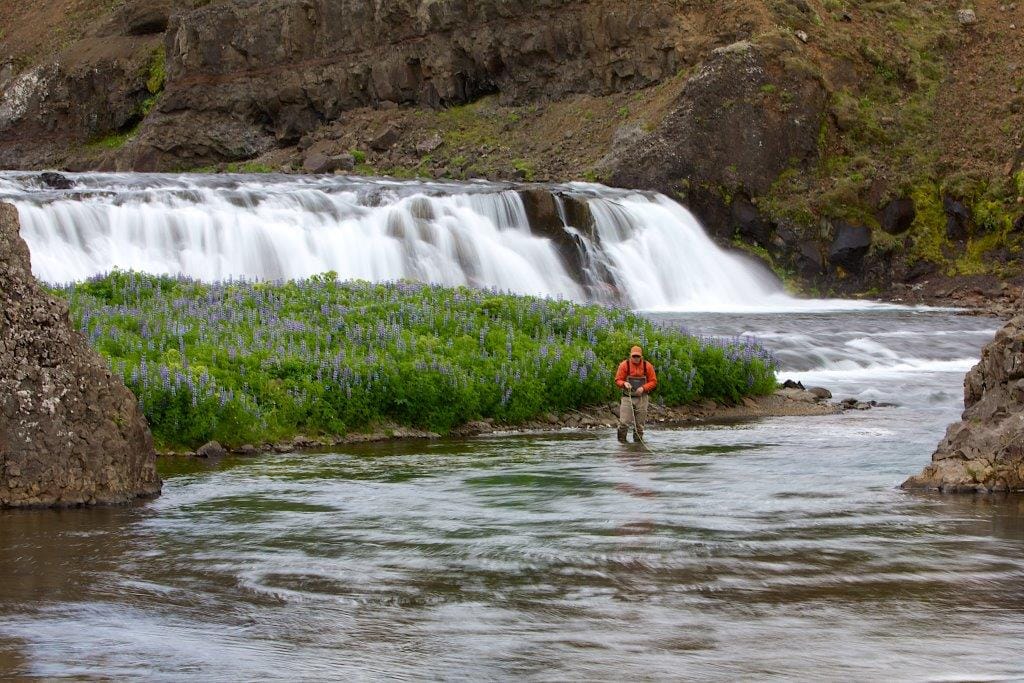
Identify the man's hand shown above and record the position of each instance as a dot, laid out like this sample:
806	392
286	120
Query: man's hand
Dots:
639	391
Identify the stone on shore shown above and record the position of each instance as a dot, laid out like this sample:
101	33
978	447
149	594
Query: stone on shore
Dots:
211	449
984	452
71	433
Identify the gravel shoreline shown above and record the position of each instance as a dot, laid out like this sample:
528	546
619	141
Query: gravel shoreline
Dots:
792	402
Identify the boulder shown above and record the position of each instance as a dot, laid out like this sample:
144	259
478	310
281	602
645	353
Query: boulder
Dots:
292	122
984	452
71	433
211	449
385	140
55	181
850	246
821	392
429	144
897	216
318	163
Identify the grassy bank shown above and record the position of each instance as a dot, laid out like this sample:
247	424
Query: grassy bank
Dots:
256	362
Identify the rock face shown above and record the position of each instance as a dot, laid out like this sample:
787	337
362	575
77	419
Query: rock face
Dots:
273	70
985	451
772	119
70	432
97	90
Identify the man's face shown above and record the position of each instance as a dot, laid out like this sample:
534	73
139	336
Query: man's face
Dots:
636	357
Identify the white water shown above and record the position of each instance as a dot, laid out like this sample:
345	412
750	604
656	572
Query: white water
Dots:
644	251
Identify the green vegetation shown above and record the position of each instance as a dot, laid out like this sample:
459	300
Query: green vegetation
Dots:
787	276
157	71
248	167
525	168
881	133
928	233
113	141
156	76
252	362
234	167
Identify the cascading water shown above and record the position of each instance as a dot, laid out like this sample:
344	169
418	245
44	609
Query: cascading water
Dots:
636	249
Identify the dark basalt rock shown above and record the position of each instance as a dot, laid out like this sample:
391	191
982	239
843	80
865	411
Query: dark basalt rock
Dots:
959	219
810	261
55	181
897	216
71	433
850	246
542	212
294	65
748	223
984	452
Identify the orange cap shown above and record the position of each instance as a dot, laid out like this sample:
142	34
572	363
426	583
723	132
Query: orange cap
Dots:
636	351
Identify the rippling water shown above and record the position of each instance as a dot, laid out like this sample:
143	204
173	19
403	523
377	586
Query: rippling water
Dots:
778	548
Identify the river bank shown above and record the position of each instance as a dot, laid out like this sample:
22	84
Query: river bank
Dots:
976	295
782	403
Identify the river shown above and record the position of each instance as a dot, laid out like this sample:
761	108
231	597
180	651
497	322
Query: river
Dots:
778	548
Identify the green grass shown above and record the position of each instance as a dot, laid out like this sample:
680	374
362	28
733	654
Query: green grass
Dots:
928	231
113	141
249	167
526	168
255	362
157	74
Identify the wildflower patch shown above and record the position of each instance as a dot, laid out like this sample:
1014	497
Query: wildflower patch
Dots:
251	362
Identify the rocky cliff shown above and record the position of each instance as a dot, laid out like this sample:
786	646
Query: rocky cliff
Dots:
984	452
872	148
70	433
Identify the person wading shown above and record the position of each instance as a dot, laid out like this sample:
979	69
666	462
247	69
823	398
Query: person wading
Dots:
636	378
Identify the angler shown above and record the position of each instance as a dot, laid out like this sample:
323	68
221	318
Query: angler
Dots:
637	379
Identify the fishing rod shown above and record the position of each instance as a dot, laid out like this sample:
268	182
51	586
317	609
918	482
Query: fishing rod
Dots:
636	432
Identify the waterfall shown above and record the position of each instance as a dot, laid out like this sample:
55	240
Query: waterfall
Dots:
641	250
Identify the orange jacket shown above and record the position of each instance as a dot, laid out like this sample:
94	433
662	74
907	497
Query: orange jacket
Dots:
628	368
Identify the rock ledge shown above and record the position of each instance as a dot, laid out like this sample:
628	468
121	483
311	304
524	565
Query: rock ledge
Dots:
984	452
70	432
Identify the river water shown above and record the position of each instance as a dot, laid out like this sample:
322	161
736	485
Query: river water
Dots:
773	549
